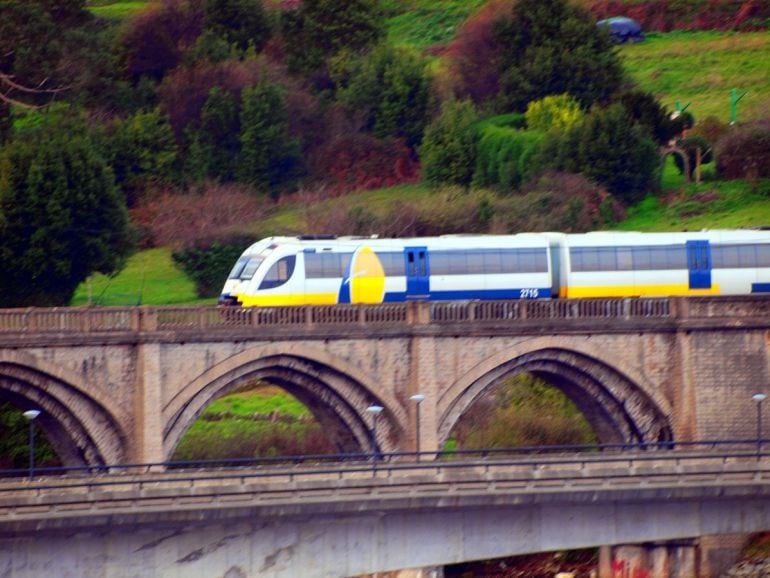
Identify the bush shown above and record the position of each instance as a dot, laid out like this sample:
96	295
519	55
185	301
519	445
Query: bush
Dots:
504	155
357	162
557	202
189	219
609	148
448	152
208	264
559	111
744	152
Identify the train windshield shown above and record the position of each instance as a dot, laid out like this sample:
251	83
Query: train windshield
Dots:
245	268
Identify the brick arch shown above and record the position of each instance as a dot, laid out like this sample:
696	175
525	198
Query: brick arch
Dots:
78	419
621	405
336	392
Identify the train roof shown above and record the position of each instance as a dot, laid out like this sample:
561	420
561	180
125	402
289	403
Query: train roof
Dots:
350	242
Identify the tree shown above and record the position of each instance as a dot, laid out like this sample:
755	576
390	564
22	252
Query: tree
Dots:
390	88
659	124
448	151
269	157
61	217
554	47
319	29
218	134
142	149
608	148
239	22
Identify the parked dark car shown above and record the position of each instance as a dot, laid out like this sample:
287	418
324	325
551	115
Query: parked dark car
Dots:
623	29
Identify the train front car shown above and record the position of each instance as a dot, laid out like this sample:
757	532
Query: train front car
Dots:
253	266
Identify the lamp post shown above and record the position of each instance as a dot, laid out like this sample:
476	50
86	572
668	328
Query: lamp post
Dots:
31	414
759	398
375	410
417	398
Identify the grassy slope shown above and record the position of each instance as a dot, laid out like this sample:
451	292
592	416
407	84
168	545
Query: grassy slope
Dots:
702	68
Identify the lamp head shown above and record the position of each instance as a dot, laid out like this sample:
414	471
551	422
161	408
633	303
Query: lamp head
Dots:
31	414
375	409
758	397
417	398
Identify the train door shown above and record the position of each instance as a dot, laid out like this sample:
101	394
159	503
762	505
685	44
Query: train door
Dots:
699	264
417	283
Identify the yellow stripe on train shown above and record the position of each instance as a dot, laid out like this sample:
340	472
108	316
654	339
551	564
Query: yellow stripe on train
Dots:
283	300
636	291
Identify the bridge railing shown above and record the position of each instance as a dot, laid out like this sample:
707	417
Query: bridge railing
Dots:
181	318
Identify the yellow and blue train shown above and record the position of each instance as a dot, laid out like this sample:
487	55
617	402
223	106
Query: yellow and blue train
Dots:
329	270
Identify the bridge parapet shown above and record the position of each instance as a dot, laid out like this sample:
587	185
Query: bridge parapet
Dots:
145	319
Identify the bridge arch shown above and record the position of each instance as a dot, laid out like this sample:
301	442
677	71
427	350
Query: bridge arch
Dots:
335	391
79	420
621	406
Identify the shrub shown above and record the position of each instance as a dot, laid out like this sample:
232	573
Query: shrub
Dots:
609	148
504	156
659	124
744	152
189	219
448	152
559	111
242	23
357	162
208	263
557	202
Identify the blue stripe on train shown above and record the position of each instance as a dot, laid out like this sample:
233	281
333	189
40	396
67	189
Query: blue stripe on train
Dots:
760	287
490	294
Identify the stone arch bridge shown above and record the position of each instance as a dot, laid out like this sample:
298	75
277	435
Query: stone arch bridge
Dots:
122	385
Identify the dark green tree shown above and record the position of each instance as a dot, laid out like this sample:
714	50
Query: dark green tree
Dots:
554	47
218	134
142	149
61	217
653	117
319	29
448	151
609	148
239	22
389	87
269	156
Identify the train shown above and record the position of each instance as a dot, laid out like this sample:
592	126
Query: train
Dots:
329	270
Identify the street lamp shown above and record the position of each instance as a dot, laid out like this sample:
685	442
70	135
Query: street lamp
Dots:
31	414
375	410
417	398
759	398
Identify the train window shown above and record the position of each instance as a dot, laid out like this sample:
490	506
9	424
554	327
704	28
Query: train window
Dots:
457	263
493	262
763	255
326	265
625	262
474	261
249	268
439	263
608	259
747	256
238	268
279	273
393	264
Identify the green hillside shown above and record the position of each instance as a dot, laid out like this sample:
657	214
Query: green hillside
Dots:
701	68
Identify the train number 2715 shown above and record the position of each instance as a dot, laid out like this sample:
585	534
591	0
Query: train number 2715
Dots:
529	294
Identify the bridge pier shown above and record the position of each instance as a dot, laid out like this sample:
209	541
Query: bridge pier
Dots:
148	424
679	559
